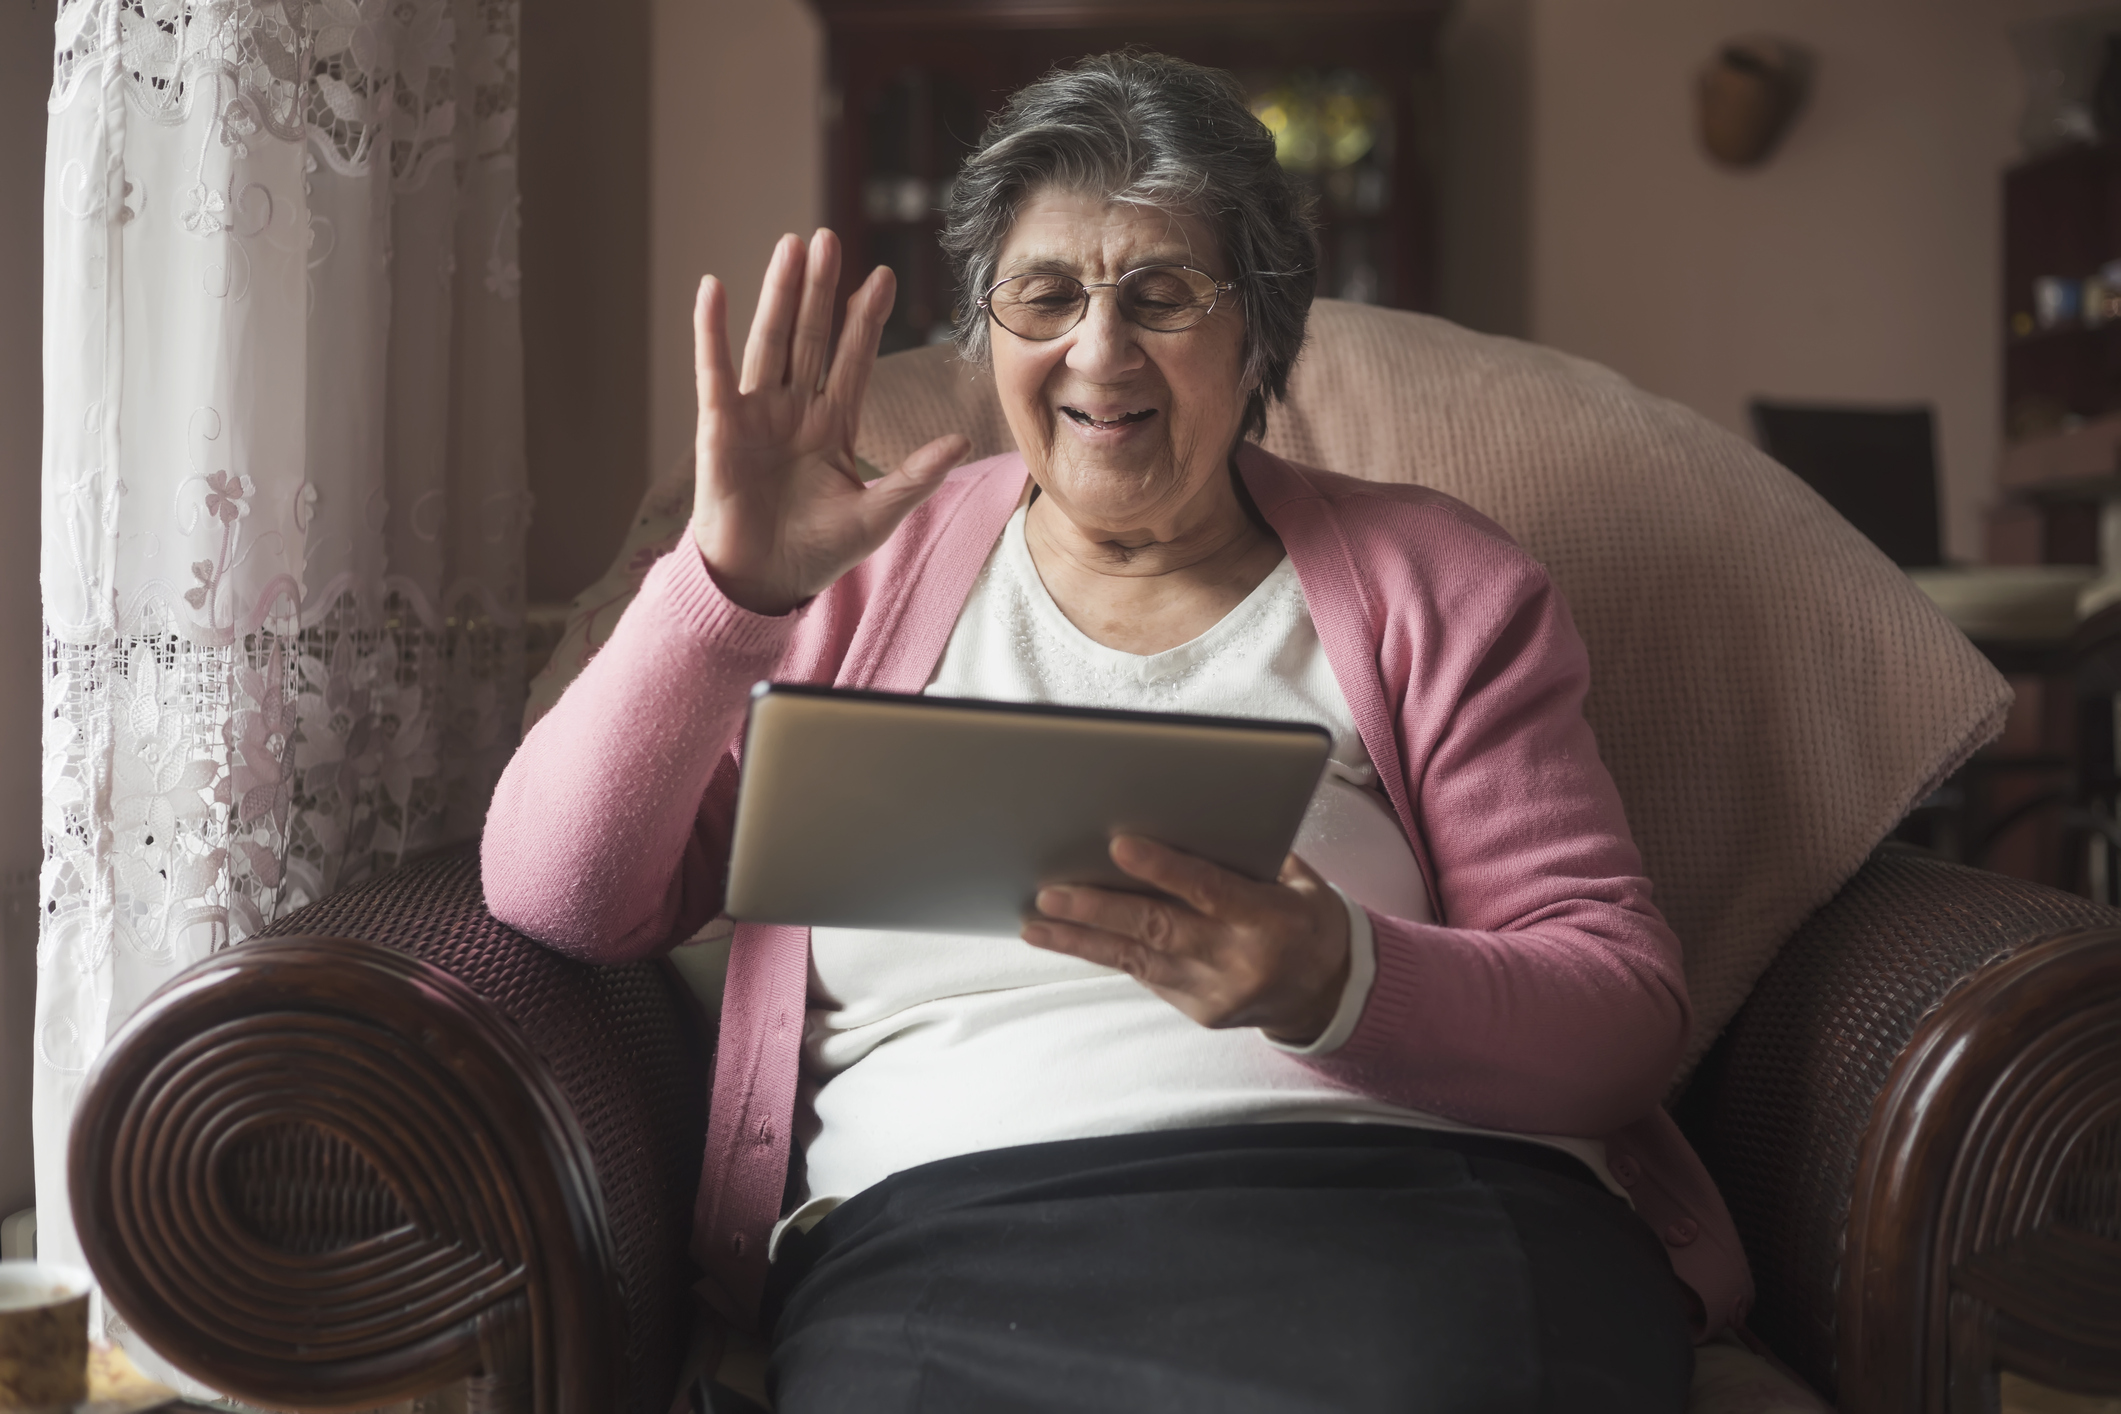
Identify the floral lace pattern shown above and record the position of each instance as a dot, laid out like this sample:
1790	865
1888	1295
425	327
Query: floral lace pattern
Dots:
348	75
192	795
284	495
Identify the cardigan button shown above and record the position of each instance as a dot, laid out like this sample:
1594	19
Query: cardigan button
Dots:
1625	1170
1680	1233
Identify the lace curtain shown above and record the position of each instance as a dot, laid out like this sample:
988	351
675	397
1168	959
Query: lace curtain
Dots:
283	497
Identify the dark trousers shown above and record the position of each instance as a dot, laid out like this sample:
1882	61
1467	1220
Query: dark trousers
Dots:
1270	1268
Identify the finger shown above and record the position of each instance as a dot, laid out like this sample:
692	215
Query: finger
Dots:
713	373
1143	964
867	309
890	499
1210	888
813	322
766	351
1152	922
937	459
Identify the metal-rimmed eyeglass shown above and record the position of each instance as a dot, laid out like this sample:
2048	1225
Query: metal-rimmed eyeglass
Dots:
1164	299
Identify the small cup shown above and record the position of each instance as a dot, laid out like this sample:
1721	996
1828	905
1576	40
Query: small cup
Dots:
43	1337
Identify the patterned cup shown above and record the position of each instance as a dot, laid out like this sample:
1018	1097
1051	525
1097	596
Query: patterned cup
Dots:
43	1336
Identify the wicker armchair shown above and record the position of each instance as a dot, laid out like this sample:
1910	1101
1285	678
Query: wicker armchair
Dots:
396	1144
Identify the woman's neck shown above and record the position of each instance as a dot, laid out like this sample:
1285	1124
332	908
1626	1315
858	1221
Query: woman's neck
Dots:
1147	590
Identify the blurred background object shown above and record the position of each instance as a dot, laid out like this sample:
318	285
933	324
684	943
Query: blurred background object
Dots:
2071	83
1748	95
1876	466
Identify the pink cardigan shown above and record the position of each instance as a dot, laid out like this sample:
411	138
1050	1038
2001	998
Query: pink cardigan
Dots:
1550	1000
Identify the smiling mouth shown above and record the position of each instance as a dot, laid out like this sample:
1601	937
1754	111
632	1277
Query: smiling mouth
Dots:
1123	420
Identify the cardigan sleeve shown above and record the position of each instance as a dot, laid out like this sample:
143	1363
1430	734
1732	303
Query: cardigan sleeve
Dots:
1551	998
604	840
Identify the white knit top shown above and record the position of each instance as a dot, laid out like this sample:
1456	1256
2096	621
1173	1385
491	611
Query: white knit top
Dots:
918	1047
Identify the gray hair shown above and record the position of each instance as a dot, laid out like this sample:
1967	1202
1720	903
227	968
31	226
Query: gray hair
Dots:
1151	130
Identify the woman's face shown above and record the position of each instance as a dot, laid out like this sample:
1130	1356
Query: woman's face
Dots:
1121	426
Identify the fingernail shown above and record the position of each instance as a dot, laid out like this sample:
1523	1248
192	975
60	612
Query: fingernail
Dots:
1038	935
1053	900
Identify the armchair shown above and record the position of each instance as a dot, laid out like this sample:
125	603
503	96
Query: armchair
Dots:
392	1143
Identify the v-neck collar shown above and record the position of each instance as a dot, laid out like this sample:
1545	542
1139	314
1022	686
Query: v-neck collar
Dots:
1013	553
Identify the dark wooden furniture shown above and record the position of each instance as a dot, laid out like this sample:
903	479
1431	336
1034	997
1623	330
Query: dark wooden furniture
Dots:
2061	217
2061	472
398	1144
912	81
2061	384
1877	466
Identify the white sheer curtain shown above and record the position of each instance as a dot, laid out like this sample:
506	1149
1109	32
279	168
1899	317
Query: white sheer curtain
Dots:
283	501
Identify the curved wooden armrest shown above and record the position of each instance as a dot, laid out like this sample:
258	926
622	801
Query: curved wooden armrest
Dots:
394	1144
1908	1091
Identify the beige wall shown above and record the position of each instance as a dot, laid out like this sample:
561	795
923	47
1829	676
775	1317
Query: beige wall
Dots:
1484	185
584	178
736	160
25	77
1863	263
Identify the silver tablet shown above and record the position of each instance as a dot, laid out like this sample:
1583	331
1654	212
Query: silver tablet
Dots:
881	810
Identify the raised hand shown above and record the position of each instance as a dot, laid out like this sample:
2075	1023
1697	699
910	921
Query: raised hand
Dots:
779	510
1223	949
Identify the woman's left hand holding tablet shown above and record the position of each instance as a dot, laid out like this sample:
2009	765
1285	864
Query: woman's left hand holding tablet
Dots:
1223	949
779	509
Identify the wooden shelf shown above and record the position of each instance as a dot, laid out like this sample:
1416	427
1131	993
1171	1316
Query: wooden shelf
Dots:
2066	334
2061	218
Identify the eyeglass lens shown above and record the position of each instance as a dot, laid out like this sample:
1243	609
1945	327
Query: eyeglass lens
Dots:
1161	298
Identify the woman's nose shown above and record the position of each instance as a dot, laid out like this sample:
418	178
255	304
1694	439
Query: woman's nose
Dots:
1103	346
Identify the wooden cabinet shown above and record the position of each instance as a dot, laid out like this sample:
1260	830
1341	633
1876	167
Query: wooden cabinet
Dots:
912	81
2060	480
2061	375
2061	221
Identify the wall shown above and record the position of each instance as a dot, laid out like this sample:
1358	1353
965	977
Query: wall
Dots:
1862	264
25	77
1484	181
736	161
584	179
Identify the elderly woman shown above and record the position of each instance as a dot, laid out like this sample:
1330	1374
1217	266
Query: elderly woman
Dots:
1380	1134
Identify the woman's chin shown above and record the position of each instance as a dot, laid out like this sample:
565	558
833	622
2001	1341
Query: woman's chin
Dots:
1111	491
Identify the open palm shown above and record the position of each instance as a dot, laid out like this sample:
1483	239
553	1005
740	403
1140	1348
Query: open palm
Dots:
779	509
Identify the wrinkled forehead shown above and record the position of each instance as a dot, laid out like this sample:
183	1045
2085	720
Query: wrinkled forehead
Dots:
1094	238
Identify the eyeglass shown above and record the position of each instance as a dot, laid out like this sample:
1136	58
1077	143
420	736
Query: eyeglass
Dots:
1162	298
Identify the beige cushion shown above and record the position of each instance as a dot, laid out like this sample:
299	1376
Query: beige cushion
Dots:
1771	694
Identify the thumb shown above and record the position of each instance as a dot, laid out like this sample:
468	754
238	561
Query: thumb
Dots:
890	499
936	460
